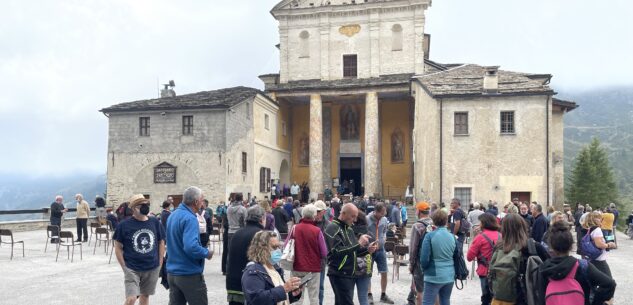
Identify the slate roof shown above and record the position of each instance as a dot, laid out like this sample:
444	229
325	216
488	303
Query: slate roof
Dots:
467	80
346	83
569	105
215	99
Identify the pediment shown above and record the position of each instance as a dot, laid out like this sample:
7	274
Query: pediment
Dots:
292	4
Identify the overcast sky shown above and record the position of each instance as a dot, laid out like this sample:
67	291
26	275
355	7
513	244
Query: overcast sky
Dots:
61	61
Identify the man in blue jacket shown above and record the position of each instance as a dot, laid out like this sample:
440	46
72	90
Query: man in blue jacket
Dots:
540	225
185	255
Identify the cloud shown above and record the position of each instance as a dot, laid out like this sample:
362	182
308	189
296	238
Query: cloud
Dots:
62	61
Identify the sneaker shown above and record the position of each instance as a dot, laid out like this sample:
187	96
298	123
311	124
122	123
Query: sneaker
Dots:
385	299
370	297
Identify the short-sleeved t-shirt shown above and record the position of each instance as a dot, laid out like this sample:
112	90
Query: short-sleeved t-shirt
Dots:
597	232
457	215
140	240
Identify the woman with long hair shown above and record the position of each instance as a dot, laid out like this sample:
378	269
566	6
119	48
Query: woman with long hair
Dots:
592	224
515	232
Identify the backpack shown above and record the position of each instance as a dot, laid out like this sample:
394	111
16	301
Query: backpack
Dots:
533	278
465	225
588	247
504	274
121	211
567	290
461	271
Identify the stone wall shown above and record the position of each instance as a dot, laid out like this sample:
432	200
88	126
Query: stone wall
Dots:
491	163
313	41
557	152
426	147
239	139
199	158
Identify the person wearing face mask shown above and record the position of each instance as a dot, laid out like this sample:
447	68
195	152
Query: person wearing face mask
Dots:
140	249
263	280
238	248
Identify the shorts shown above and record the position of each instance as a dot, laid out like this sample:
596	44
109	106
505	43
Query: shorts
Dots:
418	279
380	257
140	282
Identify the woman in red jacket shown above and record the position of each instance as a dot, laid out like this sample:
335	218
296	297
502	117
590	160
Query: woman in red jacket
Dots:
481	249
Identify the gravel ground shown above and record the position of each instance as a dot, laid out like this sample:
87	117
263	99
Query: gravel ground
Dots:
38	279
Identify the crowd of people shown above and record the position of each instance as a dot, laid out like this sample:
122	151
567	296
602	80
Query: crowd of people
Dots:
280	251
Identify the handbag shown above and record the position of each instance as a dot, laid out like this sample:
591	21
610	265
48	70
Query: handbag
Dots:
288	257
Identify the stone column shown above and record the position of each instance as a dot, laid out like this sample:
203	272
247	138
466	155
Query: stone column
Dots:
316	145
372	145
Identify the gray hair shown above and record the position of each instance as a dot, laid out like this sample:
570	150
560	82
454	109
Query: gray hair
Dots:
255	214
81	197
309	211
191	195
59	197
476	205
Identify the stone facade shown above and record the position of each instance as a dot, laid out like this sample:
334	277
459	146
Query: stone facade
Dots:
314	38
210	158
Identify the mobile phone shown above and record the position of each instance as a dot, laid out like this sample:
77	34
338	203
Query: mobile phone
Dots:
303	283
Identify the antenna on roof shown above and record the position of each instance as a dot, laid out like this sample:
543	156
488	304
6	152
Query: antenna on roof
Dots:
168	91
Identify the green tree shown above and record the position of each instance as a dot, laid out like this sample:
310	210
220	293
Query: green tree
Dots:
592	181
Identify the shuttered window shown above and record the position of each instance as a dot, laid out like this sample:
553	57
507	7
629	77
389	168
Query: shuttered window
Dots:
461	123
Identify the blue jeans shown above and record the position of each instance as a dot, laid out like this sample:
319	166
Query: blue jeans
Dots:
486	296
362	287
322	281
431	290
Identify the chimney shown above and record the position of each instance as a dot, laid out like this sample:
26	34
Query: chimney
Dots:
168	91
491	80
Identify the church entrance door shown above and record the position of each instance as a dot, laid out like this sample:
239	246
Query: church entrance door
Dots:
351	174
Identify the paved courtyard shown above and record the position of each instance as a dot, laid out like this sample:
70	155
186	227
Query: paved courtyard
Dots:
38	279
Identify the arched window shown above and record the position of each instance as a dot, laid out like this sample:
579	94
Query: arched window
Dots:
396	37
304	44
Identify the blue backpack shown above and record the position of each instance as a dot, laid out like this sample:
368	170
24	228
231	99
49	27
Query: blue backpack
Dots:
588	247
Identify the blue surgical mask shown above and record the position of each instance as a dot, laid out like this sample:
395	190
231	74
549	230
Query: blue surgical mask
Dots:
275	256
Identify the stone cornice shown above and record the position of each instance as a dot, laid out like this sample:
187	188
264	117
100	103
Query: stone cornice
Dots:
351	10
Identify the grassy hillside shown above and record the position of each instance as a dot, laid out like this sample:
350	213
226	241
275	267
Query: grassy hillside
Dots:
608	115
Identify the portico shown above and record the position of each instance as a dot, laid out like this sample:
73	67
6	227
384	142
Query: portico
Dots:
343	142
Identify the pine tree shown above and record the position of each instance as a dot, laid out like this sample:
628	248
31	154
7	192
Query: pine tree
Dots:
592	181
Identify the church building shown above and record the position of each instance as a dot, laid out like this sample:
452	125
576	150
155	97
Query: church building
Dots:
358	102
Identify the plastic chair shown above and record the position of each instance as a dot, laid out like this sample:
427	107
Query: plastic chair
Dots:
5	232
102	235
93	227
67	239
52	232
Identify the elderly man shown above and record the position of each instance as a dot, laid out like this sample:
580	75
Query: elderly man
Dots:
57	213
322	223
310	249
377	227
185	255
238	249
83	212
342	244
236	214
140	249
473	216
540	225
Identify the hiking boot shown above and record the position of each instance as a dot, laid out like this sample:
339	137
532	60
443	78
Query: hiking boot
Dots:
370	298
385	299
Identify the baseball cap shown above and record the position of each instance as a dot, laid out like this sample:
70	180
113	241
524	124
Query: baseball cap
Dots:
422	206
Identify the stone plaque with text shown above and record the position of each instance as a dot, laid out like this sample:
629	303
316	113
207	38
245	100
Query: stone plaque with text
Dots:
165	173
